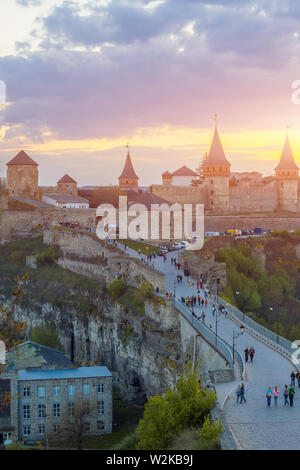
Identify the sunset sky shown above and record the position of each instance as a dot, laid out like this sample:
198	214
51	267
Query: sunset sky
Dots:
83	78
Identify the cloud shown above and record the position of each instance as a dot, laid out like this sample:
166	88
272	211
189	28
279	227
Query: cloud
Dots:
108	68
28	3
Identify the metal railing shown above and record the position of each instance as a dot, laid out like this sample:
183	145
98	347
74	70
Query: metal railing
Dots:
277	341
216	341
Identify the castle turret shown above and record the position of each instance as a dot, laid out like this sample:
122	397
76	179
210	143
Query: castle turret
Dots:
67	185
216	172
22	177
167	178
287	174
128	178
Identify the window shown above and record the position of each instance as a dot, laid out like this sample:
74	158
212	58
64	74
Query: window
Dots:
41	429
86	389
100	388
56	410
26	430
100	408
71	390
26	391
56	428
42	411
26	411
56	390
41	391
71	409
100	426
211	192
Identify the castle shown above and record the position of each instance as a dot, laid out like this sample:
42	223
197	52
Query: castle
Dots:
221	191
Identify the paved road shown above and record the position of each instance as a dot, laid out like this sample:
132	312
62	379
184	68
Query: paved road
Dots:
254	425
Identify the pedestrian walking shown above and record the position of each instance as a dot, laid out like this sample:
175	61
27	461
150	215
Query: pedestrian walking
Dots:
246	354
292	392
293	377
251	353
202	302
275	395
199	300
269	394
286	395
238	393
298	378
205	303
243	394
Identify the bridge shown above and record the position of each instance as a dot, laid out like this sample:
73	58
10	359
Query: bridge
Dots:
253	424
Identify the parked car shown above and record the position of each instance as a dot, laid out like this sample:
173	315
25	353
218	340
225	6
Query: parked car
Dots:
160	252
212	234
184	243
259	231
177	246
165	249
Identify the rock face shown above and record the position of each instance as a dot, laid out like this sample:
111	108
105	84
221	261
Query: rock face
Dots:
145	351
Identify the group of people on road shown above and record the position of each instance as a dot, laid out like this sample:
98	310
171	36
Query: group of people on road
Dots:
249	353
192	301
288	395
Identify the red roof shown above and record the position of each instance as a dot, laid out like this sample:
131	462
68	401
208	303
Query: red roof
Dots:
128	171
184	171
67	179
287	161
216	154
22	159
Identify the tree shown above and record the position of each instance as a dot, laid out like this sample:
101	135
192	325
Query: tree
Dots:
46	336
74	422
166	415
200	171
117	288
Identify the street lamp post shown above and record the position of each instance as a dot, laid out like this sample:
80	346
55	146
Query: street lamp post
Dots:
234	337
277	321
238	293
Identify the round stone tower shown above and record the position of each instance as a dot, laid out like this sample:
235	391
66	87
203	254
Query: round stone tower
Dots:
287	174
22	177
216	173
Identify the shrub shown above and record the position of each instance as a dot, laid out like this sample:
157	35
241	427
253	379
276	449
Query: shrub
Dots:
48	256
211	430
117	288
17	256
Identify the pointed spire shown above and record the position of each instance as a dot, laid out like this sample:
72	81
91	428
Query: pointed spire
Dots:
287	161
216	154
128	171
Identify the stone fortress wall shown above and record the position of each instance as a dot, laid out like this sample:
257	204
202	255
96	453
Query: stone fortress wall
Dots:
85	254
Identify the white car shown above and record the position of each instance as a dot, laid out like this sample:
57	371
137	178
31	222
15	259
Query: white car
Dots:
177	246
184	244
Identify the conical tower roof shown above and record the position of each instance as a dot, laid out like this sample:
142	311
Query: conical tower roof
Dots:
216	154
287	161
22	159
128	171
